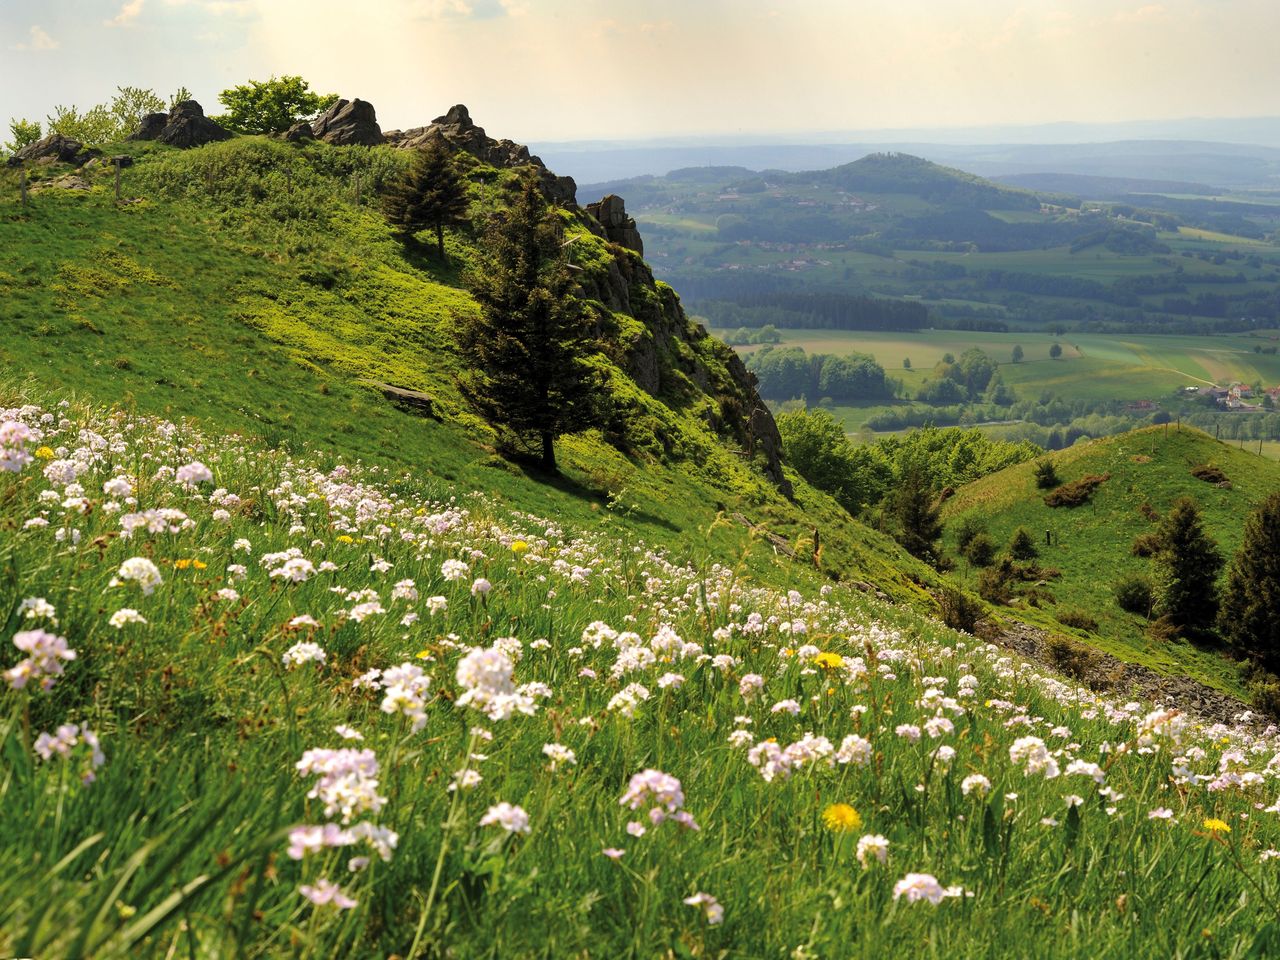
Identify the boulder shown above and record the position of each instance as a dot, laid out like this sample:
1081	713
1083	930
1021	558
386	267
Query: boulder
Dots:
611	212
349	122
151	127
54	148
187	127
299	133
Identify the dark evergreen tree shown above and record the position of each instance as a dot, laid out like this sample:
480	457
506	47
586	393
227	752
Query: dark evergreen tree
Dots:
980	551
430	194
527	348
1046	475
1250	616
1022	547
1187	565
915	508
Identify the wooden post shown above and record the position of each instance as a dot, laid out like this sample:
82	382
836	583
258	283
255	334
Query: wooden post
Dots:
117	179
22	182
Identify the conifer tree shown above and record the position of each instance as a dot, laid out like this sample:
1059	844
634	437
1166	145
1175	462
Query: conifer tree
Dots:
1187	565
430	194
916	511
527	347
1022	547
1250	616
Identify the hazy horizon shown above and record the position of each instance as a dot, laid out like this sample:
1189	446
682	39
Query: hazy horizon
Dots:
552	71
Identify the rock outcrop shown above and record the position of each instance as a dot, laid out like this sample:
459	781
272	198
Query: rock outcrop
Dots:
457	131
185	126
618	227
54	148
349	122
299	133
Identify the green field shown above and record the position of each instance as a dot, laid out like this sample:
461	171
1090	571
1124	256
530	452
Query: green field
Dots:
1092	366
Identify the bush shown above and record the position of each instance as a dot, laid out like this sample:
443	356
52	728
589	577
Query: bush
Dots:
1071	658
993	586
980	551
968	528
1022	547
958	610
1163	629
1077	619
1046	475
1146	545
1264	695
1209	473
1076	492
1134	593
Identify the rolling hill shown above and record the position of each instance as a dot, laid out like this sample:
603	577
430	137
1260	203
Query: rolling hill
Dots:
1146	471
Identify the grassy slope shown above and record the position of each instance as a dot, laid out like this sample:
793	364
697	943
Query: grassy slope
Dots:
240	304
1091	543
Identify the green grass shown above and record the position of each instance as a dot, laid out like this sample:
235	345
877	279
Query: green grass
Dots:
179	845
1091	543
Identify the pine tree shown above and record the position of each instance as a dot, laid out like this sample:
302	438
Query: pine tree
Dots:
1046	475
1022	547
1250	616
1187	565
527	347
430	194
914	506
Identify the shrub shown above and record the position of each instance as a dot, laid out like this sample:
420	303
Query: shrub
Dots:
1071	658
967	529
1208	473
1150	512
1076	492
958	610
1162	629
980	551
1264	695
1022	547
1146	545
993	586
1133	593
1046	475
1077	619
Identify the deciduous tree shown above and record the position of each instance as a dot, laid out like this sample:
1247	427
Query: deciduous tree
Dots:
273	105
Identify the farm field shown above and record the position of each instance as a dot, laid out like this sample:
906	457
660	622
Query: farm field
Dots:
1092	366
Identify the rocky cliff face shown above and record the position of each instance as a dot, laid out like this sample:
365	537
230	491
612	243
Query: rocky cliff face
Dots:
456	131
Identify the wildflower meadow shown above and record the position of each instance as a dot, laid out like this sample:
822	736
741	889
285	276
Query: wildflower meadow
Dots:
268	705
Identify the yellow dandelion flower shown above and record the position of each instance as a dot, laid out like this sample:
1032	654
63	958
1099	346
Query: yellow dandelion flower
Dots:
1214	825
423	654
345	538
829	661
44	453
198	565
518	547
841	818
181	564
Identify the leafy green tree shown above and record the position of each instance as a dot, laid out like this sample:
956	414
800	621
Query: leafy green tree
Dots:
1055	351
1187	566
1017	353
181	95
272	106
906	363
914	506
23	132
814	443
430	194
130	105
94	126
1022	547
528	346
1250	615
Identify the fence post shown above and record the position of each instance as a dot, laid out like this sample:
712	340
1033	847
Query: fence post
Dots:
117	159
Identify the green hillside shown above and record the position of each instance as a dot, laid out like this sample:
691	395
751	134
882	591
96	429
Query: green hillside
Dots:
1091	544
255	286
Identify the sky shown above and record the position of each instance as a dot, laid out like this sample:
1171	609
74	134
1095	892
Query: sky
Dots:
555	70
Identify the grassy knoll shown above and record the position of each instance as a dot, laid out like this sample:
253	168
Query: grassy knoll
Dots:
1091	543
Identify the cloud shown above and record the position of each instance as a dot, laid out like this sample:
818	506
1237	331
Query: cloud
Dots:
128	13
465	9
40	40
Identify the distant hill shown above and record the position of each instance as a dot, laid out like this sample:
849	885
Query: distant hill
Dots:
1091	544
915	176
